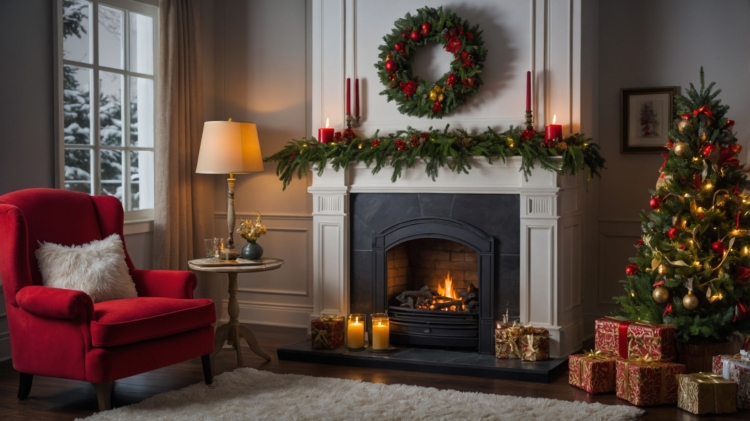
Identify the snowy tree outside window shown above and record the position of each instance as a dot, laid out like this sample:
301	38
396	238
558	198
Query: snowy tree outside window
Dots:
107	64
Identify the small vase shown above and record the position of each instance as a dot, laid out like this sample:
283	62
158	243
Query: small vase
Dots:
252	251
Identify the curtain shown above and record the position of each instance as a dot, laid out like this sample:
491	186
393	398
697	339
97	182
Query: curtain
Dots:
183	210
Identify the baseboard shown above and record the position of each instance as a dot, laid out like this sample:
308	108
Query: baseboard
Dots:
284	315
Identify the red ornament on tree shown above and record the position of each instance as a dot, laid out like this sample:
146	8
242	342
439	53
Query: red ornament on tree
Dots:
415	36
426	28
718	247
672	232
631	269
391	66
655	203
437	107
399	46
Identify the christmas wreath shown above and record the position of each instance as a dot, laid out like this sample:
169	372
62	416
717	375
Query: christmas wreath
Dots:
421	97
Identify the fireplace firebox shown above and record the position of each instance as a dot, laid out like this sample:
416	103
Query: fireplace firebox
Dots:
435	277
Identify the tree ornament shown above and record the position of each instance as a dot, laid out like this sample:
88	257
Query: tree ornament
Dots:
662	270
682	150
672	232
690	301
426	28
467	68
391	66
631	269
718	247
683	126
660	294
702	134
655	203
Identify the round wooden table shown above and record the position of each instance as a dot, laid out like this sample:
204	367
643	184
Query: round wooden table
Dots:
233	330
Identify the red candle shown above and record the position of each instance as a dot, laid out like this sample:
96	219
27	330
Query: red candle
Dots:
356	97
553	131
325	134
348	96
528	91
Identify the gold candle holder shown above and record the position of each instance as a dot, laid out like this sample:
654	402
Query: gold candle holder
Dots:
381	332
355	332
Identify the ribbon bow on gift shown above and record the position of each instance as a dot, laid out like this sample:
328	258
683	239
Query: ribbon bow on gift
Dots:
596	355
321	335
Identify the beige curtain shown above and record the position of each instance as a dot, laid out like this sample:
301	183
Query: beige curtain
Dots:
184	199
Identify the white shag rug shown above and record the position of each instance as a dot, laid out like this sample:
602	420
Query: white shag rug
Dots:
249	394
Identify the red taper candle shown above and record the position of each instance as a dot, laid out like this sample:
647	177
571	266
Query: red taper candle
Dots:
528	91
356	97
348	96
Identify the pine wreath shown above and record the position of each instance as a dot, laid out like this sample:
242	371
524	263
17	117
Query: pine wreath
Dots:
421	97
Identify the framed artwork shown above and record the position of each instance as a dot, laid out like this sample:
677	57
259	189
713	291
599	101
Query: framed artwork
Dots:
647	115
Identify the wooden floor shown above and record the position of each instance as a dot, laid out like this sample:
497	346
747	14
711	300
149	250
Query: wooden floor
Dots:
56	399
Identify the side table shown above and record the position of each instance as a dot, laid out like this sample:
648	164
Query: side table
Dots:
232	331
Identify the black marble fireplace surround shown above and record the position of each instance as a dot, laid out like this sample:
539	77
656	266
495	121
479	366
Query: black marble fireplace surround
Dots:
487	223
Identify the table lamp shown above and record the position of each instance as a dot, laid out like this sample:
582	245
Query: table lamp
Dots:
229	147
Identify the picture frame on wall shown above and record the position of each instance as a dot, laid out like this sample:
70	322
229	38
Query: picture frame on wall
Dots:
646	118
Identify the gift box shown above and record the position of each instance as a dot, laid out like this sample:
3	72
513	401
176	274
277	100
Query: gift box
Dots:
327	332
645	382
593	372
635	339
534	344
507	340
706	393
724	365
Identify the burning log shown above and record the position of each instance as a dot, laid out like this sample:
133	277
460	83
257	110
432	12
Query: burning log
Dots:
448	304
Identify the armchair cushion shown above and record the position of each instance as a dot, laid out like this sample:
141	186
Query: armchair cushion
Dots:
97	268
54	303
120	322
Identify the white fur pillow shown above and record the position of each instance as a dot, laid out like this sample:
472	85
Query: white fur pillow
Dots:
97	268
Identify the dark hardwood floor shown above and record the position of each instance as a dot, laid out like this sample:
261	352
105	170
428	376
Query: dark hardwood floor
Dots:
57	399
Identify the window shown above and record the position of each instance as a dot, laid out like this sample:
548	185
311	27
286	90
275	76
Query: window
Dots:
106	58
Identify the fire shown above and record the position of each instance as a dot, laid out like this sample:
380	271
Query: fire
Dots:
448	290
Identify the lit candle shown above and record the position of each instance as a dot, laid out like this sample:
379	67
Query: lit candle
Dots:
348	96
528	91
356	97
325	134
553	131
380	332
355	331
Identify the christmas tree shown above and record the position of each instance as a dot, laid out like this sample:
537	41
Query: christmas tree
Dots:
692	265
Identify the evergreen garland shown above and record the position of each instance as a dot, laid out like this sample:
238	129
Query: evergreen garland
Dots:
698	230
420	98
450	149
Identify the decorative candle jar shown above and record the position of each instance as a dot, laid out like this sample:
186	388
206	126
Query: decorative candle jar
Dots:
380	337
355	332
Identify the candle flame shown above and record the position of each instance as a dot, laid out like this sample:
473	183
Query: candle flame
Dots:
554	119
326	123
448	291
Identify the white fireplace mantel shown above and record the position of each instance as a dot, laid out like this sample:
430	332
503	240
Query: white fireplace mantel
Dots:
550	237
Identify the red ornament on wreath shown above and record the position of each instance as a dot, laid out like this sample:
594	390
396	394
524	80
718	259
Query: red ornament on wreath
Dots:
437	107
405	36
718	247
375	143
426	28
399	46
452	80
391	66
672	232
631	269
655	203
415	36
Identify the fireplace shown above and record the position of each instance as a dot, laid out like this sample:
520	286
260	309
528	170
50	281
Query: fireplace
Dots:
531	267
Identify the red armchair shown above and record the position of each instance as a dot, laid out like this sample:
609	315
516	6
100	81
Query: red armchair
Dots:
62	333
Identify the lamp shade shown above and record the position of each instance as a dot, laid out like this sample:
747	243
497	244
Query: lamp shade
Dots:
229	147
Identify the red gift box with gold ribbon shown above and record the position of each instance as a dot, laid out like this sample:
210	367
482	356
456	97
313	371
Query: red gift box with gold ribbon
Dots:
593	371
645	382
627	338
327	332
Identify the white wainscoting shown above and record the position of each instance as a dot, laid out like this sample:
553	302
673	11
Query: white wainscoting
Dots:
281	297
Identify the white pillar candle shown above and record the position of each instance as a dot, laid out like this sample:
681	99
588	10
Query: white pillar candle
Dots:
380	332
355	332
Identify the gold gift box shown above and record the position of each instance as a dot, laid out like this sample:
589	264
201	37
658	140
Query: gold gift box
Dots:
706	393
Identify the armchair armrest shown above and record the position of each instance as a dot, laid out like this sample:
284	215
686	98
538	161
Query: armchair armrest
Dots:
164	283
55	303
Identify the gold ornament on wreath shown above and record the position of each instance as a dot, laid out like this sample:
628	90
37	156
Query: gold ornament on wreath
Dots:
418	97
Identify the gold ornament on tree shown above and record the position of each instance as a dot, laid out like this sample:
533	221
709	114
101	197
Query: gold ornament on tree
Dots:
660	295
662	270
690	301
682	150
684	125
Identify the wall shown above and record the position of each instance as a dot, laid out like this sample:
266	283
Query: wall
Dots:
656	43
262	75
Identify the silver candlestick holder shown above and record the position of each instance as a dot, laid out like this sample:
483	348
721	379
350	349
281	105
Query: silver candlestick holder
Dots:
529	120
352	121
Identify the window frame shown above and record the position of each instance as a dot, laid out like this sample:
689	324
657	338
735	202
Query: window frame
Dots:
141	218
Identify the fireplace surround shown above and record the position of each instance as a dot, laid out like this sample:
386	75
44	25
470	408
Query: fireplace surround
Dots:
353	209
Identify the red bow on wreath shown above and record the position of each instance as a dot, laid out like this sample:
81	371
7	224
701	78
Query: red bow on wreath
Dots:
704	110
